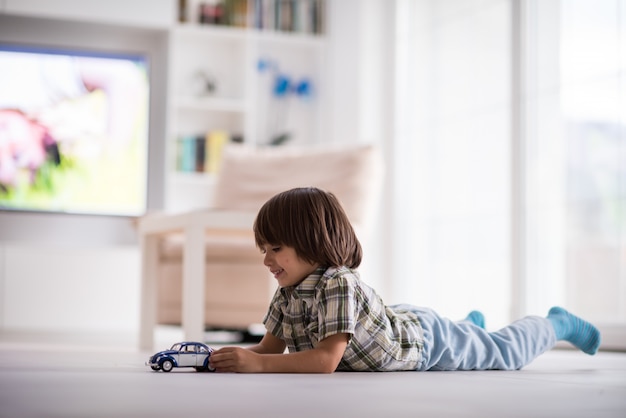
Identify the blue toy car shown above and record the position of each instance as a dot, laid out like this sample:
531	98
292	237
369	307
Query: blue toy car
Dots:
184	354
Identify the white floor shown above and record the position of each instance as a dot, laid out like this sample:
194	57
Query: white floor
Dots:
106	377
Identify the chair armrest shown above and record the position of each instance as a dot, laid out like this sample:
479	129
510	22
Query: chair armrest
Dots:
194	225
208	220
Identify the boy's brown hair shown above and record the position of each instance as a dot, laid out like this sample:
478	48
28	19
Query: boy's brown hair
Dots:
313	223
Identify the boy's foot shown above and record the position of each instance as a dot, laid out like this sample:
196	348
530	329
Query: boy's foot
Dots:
477	318
575	330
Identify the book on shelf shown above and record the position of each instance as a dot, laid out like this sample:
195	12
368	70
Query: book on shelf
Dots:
215	141
201	153
186	151
301	16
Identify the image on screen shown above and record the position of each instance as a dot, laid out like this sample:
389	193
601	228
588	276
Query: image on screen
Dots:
73	131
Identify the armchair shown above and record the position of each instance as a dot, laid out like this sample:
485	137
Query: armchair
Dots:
202	268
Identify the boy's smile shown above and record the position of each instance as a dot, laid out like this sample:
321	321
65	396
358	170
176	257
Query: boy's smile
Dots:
285	265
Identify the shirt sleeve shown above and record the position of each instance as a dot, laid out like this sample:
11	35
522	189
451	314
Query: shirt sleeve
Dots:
337	312
274	317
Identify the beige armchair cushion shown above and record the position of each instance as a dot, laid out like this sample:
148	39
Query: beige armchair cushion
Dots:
250	176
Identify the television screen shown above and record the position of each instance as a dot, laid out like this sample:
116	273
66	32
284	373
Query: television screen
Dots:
73	131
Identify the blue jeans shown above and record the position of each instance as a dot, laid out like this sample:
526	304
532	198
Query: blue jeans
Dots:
461	345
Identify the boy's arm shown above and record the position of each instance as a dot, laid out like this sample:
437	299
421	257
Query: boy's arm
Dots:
323	359
269	344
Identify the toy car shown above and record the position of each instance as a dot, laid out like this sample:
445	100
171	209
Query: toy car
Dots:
183	354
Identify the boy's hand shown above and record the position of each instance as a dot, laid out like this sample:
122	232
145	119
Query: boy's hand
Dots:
268	357
235	360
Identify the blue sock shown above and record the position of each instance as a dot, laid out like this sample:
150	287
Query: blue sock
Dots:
477	318
575	330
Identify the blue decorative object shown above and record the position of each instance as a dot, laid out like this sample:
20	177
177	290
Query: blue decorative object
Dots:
281	85
263	65
304	88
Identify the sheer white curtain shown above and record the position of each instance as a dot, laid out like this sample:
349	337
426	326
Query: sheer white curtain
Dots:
510	157
575	159
452	156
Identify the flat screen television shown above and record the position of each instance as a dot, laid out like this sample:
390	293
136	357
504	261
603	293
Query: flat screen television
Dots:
73	130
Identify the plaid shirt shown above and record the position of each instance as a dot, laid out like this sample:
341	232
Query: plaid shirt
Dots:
334	301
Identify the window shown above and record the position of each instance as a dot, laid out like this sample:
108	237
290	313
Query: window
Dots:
575	157
453	154
511	150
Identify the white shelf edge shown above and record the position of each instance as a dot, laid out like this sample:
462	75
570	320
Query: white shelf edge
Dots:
210	104
214	31
242	34
192	178
289	38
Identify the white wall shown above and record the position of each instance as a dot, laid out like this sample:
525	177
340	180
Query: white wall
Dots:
68	288
360	103
143	13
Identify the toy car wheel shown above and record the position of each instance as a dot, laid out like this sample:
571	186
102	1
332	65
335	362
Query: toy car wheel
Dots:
167	365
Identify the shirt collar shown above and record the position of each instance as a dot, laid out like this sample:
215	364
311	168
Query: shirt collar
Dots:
306	288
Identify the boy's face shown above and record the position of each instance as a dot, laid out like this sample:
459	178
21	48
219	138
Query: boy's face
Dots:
284	264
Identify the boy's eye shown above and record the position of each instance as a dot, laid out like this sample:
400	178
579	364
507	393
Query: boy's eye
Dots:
270	248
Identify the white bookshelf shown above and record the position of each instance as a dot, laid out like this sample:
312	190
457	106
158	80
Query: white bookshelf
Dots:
242	102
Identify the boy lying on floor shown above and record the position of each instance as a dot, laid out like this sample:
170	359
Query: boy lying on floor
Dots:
330	320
